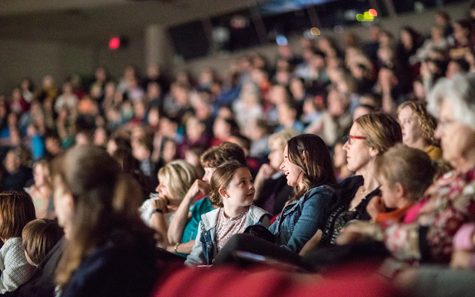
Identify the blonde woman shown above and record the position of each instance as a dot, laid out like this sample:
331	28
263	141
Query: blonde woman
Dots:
174	180
272	191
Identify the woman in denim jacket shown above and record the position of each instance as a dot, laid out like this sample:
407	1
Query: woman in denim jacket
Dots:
232	188
308	169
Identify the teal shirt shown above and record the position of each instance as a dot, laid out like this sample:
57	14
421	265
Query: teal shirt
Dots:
199	208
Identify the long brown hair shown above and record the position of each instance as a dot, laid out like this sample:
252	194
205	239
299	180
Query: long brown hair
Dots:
93	179
16	210
310	153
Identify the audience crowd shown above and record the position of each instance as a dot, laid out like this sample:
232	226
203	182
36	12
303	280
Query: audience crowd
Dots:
335	168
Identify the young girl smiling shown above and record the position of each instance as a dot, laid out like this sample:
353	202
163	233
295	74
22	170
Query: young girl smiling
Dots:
232	189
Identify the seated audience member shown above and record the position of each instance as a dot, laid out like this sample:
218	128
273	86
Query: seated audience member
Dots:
428	229
174	179
272	191
404	174
41	191
38	239
231	188
41	283
370	136
16	210
15	175
130	165
418	128
308	168
443	227
183	227
108	251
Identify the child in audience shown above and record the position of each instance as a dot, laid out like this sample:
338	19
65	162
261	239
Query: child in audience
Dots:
183	227
404	174
232	189
16	210
38	238
307	167
175	179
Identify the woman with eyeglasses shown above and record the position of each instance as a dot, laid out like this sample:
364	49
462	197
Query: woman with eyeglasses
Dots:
370	136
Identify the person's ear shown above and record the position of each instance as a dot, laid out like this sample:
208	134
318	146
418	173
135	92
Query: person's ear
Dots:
223	193
399	189
373	152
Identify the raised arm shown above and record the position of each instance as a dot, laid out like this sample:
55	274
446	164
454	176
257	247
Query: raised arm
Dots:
180	218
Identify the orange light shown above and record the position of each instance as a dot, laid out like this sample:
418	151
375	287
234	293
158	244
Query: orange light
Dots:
373	12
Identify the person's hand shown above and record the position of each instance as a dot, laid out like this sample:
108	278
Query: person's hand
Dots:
265	172
199	186
160	203
375	207
349	236
358	231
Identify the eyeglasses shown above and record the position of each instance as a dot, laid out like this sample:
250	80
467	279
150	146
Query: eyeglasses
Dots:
349	138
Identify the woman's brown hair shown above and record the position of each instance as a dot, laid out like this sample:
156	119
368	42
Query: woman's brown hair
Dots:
310	153
93	179
16	210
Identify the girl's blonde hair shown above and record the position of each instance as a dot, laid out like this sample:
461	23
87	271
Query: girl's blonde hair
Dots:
178	175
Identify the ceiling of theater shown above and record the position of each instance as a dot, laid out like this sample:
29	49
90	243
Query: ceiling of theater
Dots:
95	20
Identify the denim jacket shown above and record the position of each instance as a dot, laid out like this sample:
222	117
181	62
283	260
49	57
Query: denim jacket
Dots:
204	250
300	219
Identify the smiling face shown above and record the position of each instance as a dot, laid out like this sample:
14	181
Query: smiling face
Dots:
358	153
240	190
292	172
411	130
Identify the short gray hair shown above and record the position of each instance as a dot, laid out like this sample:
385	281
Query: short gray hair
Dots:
460	90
